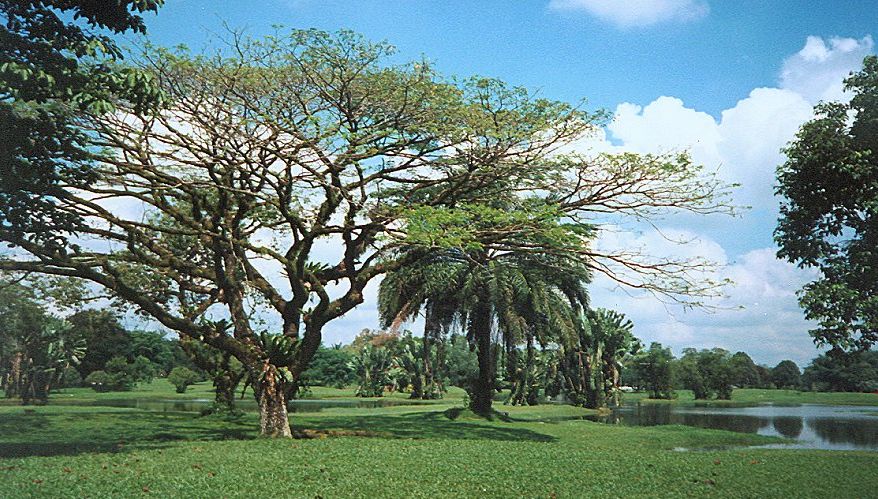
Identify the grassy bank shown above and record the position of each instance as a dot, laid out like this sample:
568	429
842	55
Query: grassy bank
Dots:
753	396
411	451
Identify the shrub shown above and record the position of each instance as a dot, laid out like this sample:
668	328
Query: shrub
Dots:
100	381
181	378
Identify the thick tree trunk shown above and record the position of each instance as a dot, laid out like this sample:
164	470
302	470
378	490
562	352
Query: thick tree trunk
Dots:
273	419
481	398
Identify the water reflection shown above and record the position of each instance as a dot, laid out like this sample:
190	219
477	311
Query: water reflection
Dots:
788	426
812	426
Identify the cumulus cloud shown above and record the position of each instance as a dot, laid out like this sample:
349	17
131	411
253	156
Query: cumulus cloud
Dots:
759	314
816	72
637	13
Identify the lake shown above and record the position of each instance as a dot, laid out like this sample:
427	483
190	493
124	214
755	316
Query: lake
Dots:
812	426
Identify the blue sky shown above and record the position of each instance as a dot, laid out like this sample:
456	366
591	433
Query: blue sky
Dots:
730	81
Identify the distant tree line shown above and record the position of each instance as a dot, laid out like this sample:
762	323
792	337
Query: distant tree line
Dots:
41	351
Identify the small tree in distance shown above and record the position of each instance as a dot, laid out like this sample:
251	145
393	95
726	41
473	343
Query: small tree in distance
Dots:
181	378
655	367
786	374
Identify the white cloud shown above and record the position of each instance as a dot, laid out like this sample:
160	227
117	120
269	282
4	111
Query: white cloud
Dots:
816	72
759	314
637	12
666	125
744	144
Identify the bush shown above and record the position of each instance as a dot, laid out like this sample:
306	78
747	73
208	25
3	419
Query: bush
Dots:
116	377
181	378
102	381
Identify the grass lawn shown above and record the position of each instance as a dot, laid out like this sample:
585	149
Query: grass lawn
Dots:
400	451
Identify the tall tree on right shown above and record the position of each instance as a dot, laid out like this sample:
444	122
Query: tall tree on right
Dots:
829	217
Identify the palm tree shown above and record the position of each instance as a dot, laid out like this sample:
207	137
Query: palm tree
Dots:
372	365
429	286
592	364
538	299
524	298
618	345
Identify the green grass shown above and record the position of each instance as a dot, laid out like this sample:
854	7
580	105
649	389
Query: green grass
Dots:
399	451
752	396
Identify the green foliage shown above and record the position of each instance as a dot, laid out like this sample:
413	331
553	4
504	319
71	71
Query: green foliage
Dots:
655	368
224	370
331	367
181	378
592	365
786	374
36	348
372	366
50	68
142	369
100	381
118	376
461	365
843	372
829	215
745	372
104	338
70	378
706	373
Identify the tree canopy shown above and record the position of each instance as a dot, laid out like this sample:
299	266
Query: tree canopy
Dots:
829	215
50	68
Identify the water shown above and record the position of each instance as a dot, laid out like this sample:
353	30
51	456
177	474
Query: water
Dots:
834	427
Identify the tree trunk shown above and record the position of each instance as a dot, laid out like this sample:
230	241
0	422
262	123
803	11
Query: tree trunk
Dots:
13	380
481	398
273	419
417	386
616	385
530	390
595	387
429	387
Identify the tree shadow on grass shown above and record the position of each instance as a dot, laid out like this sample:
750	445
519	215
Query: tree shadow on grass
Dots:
40	434
425	425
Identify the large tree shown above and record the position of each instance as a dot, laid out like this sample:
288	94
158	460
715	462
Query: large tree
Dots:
217	212
829	215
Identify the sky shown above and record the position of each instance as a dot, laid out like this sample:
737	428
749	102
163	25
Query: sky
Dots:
730	82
